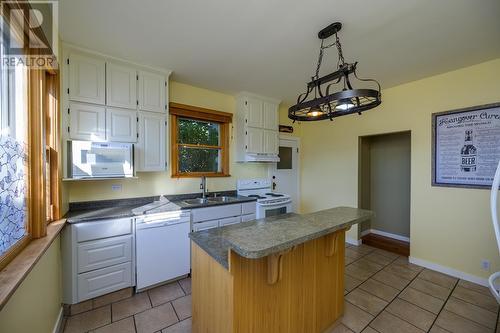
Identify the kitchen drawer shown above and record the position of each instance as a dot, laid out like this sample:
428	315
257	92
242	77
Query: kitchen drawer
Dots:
249	217
248	208
213	213
103	229
205	225
104	253
229	220
104	280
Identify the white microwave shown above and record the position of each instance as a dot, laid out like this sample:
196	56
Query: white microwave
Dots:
100	159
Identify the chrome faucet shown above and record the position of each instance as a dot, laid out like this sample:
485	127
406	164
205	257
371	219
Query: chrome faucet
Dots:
203	187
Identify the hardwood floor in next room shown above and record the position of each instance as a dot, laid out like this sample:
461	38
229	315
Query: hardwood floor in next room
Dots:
389	244
384	294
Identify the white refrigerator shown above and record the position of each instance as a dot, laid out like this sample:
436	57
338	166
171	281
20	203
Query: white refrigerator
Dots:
494	280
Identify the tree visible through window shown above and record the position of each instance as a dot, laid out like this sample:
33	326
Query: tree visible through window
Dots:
200	148
199	142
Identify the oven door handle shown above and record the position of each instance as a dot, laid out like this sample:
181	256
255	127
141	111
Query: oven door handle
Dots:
276	203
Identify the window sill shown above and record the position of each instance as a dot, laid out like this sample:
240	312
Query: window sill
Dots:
16	271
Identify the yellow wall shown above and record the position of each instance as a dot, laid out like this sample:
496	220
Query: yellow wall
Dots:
35	305
449	226
284	120
158	183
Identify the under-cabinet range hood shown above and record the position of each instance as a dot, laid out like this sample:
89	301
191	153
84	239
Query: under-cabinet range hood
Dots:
88	159
261	158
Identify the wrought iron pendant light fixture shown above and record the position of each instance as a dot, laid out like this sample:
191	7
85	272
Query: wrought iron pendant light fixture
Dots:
333	95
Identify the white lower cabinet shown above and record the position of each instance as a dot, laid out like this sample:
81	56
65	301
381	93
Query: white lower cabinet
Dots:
104	280
104	252
249	217
101	229
248	208
220	216
98	257
205	225
215	213
229	221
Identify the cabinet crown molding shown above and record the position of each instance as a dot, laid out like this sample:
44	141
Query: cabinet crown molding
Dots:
244	94
68	47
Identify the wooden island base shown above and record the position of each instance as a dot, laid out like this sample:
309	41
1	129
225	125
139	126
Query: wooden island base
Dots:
298	290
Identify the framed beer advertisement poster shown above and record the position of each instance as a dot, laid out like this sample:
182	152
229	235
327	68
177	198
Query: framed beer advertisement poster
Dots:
466	146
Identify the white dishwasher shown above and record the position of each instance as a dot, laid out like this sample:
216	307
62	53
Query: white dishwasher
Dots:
162	247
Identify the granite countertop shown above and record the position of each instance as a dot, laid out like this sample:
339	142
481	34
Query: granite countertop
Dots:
86	215
257	239
123	208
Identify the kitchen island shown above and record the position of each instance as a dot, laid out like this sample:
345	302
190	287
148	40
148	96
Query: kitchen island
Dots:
278	274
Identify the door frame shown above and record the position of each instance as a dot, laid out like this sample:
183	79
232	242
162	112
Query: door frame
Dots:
296	139
363	142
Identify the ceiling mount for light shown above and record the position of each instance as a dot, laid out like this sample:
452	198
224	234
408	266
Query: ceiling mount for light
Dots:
322	100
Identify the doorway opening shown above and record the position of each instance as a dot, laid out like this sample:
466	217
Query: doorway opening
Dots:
384	187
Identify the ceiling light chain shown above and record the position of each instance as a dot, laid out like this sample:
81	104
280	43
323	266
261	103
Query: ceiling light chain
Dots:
346	101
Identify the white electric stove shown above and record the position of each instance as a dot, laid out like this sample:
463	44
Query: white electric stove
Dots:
269	203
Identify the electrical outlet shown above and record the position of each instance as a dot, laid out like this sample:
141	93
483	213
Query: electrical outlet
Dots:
116	188
485	265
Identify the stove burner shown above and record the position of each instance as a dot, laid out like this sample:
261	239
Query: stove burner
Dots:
274	195
256	196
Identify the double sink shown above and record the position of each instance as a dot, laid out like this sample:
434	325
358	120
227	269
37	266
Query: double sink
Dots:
203	201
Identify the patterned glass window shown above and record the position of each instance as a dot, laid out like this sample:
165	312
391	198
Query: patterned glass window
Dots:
13	155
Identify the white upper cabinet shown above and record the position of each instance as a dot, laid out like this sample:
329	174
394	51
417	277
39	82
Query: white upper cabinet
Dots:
256	128
270	116
87	79
270	142
87	122
254	108
150	148
254	140
152	90
121	125
121	86
110	99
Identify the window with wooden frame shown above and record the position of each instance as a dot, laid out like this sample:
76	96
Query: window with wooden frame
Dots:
52	144
29	141
199	141
14	160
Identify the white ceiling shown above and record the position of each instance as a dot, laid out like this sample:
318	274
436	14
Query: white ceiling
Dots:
270	46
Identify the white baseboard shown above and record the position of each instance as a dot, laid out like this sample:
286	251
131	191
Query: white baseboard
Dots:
352	241
57	325
449	271
385	234
366	232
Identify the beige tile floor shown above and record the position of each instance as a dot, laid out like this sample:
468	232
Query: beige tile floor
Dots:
384	294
